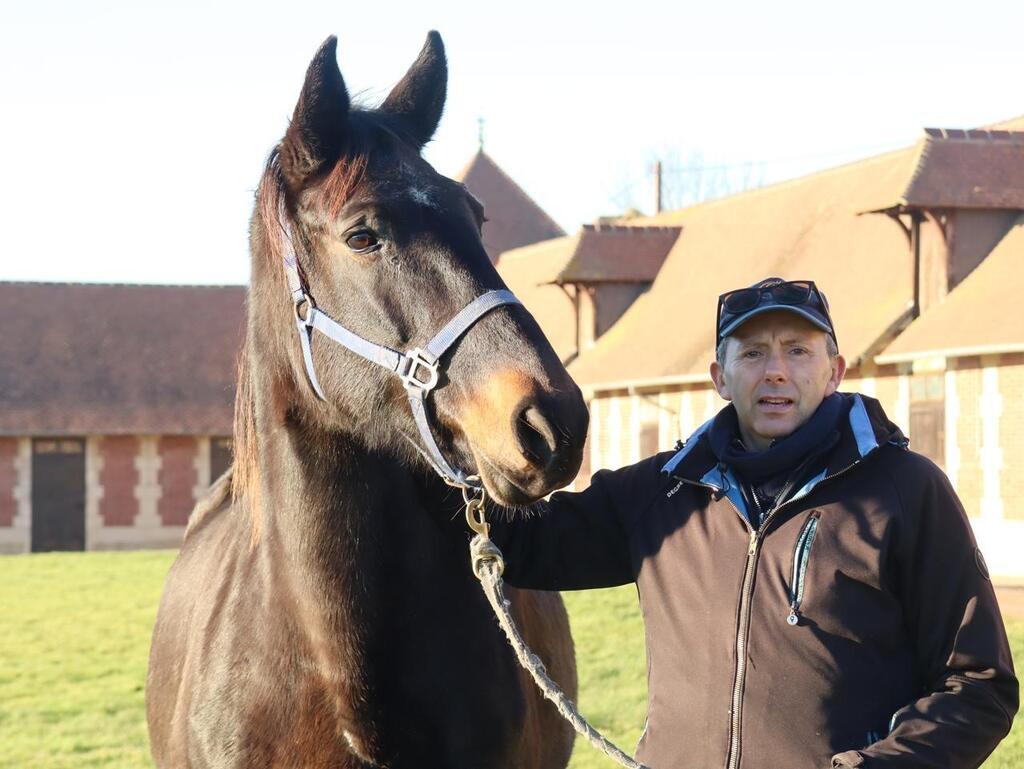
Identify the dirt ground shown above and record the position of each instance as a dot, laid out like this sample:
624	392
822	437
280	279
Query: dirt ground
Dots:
1011	601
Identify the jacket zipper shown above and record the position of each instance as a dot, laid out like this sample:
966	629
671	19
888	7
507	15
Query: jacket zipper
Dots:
801	557
743	626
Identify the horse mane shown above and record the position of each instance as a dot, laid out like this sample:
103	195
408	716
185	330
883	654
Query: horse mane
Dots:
273	219
245	482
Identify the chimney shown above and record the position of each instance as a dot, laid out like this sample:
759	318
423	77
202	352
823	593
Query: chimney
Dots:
657	187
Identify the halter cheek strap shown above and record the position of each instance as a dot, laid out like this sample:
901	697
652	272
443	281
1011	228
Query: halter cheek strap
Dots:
418	369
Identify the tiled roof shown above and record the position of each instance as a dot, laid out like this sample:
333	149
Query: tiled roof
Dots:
952	168
597	253
808	228
118	359
981	315
609	253
513	218
968	169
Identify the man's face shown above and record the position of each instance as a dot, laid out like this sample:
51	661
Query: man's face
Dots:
776	372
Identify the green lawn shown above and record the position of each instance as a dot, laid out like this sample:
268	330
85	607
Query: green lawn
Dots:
74	633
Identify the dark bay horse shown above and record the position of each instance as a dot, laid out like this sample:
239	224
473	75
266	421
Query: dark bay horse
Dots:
322	611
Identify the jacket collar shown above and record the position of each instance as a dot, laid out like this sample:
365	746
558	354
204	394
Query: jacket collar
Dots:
865	428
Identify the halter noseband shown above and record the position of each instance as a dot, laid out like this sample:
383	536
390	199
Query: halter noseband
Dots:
418	369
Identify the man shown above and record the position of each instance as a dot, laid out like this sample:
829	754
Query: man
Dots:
811	589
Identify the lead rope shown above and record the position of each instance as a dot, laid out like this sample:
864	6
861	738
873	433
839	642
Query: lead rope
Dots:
488	566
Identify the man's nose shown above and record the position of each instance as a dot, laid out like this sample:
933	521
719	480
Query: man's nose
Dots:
775	367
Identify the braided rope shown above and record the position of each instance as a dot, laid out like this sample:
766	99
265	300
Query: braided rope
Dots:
488	565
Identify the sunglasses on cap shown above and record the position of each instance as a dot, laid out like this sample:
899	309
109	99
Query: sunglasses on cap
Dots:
786	293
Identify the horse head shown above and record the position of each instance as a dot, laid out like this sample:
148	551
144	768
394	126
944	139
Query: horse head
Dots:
392	250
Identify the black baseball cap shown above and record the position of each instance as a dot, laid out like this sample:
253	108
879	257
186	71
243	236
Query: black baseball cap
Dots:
801	297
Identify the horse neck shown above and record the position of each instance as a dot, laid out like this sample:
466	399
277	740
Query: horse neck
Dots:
334	509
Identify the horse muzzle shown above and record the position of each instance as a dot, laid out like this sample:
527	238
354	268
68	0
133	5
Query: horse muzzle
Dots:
527	441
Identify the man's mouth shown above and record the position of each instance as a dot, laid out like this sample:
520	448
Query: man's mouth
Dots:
772	403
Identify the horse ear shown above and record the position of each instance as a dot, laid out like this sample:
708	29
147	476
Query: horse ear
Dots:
419	97
319	127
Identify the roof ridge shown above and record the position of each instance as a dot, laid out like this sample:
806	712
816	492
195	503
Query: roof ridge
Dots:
974	134
787	183
626	227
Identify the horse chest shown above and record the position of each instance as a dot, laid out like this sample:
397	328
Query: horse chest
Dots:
409	664
438	660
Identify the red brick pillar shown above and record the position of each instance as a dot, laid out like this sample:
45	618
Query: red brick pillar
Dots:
177	478
118	505
8	479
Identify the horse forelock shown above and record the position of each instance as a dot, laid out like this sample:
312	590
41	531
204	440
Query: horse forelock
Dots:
341	182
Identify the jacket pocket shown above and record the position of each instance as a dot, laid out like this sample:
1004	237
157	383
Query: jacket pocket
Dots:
801	557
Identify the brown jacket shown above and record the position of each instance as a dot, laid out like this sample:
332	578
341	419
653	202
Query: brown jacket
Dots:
856	628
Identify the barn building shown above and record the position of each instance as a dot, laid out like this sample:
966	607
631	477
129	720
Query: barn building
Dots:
116	401
921	252
115	410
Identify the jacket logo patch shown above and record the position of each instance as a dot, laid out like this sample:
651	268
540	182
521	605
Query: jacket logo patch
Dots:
979	559
673	490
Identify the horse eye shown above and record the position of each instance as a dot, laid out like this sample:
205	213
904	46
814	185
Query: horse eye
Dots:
362	241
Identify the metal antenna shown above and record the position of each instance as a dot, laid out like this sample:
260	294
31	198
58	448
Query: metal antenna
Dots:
480	133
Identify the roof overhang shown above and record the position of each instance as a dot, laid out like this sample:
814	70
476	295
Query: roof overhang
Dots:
951	352
649	383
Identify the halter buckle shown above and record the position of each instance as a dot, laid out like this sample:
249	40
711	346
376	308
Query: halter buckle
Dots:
415	361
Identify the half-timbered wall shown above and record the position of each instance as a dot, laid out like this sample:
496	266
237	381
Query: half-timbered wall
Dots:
966	414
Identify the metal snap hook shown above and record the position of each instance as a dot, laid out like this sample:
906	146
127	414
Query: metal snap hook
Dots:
476	515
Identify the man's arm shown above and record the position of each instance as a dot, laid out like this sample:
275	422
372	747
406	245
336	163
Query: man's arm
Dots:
970	693
578	540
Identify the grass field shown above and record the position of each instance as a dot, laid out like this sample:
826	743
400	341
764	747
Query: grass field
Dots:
74	635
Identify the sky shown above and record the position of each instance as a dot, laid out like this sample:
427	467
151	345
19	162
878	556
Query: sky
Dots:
135	132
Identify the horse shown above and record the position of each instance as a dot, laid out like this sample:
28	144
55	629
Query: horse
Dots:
322	611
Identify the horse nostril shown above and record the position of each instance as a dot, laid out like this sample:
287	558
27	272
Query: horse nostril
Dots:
536	435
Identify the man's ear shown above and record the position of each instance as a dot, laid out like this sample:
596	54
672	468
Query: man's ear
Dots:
718	377
838	372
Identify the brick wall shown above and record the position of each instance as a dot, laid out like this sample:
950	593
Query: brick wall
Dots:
8	480
118	477
177	478
15	494
139	490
